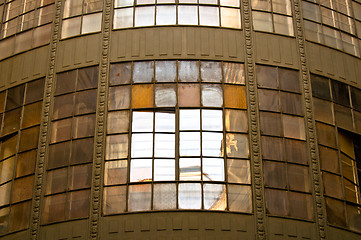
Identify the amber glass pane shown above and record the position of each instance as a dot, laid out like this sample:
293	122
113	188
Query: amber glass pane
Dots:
288	80
15	97
2	101
54	208
7	169
233	73
61	130
142	96
82	151
274	174
271	124
11	121
188	95
115	172
32	115
120	73
56	181
85	102
269	100
267	77
87	78
335	212
326	134
235	97
332	185
29	139
356	98
20	216
291	103
239	198
272	148
300	205
23	189
26	163
58	155
79	177
119	97
276	202
296	151
5	191
236	121
353	214
79	202
8	147
343	117
114	199
63	106
323	110
65	82
346	144
84	126
34	91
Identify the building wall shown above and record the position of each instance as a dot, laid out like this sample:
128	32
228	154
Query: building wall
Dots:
55	137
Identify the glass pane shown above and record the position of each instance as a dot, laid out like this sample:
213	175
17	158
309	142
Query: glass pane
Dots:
329	159
353	214
208	16
267	77
238	171
212	95
212	120
114	199
326	134
84	126
70	27
79	177
54	208
5	191
298	178
274	174
215	196
25	164
87	78
236	121
340	93
82	151
211	71
143	72
142	122
262	21
56	181
165	71
320	87
63	106
166	15
20	216
118	122
164	145
72	8
343	117
165	95
187	15
311	11
230	17
335	212
233	73
291	103
272	148
61	130
271	124
283	24
184	93
115	172
235	96
332	185
189	169
34	91
79	203
91	23
32	115
123	18
212	144
276	202
5	220
11	121
323	111
123	3
189	119
141	170
261	5
65	82
8	147
23	189
139	197
165	196
301	205
7	170
237	145
142	145
213	169
269	100
144	16
189	196
289	80
231	3
188	70
164	169
294	127
296	151
282	6
239	198
119	97
164	122
29	139
356	98
58	155
142	96
120	73
117	146
189	144
85	102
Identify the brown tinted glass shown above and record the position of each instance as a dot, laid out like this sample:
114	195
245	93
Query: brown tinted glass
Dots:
63	106
329	159
326	134
59	155
65	82
118	122
276	202
34	91
114	200
335	212
300	205
84	126
288	80
296	151
54	208
356	98
323	110
82	151
7	170
120	73
26	163
87	78
320	87
20	216
235	96
343	117
79	177
61	130
353	214
274	174
272	148
119	97
340	93
11	121
8	147
269	100
85	102
332	185
78	206
188	95
267	77
233	73
15	97
115	172
291	103
31	115
298	178
2	101
236	120
29	139
23	189
271	124
56	181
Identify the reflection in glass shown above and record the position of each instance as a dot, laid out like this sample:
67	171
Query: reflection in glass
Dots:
262	21
212	144
189	169
189	119
239	198
91	23
230	17
139	197
189	196
115	172
215	196
212	120
114	200
165	96
237	145
142	145
213	169
117	146
164	169
239	171
141	170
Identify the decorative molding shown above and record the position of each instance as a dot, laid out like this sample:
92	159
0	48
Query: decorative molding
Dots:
99	146
44	127
255	138
310	124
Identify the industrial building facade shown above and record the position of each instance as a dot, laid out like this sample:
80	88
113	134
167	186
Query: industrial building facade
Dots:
180	119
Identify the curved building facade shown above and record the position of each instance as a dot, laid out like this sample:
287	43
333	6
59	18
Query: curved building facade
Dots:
180	119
